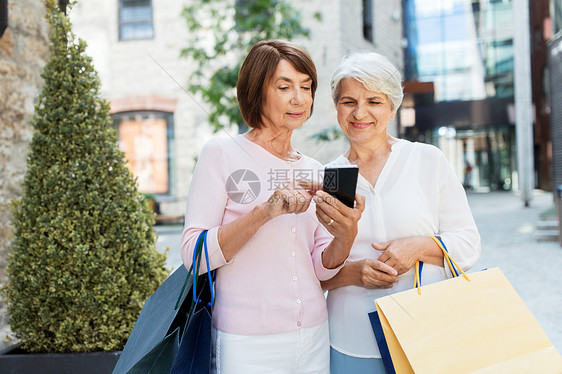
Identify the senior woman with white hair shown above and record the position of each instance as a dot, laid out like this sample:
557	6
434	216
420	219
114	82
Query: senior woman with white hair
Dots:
411	192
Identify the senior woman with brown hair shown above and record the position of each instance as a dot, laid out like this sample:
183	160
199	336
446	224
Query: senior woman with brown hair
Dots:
264	239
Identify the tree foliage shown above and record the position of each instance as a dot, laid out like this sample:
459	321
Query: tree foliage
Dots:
220	34
328	134
83	260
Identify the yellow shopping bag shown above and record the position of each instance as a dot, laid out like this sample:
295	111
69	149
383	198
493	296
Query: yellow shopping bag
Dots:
475	325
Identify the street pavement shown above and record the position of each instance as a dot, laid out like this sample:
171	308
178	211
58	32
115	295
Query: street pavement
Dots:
508	232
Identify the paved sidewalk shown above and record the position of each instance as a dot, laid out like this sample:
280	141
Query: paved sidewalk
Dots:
170	237
508	242
533	267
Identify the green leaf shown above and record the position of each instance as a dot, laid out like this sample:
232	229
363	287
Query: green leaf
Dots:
328	134
232	30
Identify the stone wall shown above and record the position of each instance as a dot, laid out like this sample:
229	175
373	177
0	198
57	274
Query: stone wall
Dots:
23	54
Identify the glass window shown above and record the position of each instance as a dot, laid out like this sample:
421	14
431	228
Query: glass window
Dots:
368	20
147	140
135	19
557	17
482	158
464	46
499	67
499	13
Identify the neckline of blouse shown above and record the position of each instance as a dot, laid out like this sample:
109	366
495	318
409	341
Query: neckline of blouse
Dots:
262	149
387	165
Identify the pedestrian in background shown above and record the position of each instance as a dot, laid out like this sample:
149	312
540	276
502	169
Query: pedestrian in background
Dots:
268	247
411	192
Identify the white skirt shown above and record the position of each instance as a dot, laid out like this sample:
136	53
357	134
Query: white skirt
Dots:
301	351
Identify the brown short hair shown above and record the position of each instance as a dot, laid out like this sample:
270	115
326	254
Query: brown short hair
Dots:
258	67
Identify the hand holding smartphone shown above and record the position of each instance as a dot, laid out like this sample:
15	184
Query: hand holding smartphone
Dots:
341	183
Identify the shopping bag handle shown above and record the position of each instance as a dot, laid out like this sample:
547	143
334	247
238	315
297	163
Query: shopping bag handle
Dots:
452	264
455	268
197	257
209	276
190	272
417	275
441	245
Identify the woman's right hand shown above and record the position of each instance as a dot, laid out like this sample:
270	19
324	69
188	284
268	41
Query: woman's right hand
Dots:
291	199
370	273
234	235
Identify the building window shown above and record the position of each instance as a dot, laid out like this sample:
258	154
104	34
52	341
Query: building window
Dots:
466	50
557	16
368	20
135	20
147	140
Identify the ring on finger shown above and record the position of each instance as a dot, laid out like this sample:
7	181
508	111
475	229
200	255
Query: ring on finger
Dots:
331	221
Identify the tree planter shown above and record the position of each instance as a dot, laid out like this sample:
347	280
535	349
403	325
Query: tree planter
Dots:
16	361
83	258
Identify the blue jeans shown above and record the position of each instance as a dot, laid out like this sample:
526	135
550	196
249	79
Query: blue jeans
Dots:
343	364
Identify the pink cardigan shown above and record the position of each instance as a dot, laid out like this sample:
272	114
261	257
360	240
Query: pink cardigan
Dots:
272	284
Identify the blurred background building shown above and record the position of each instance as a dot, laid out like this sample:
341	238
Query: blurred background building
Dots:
457	57
465	49
136	44
460	84
554	99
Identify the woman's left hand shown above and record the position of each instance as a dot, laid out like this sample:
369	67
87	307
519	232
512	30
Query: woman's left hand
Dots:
401	254
339	219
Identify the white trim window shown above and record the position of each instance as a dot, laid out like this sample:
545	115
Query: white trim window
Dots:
135	20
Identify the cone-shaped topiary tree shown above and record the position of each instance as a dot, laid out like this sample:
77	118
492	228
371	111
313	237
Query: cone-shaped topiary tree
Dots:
83	260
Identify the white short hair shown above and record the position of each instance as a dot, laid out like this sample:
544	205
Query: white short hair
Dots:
376	73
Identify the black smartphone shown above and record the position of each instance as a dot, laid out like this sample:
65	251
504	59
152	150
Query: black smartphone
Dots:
341	182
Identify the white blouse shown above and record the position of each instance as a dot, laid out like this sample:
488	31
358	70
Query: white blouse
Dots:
417	193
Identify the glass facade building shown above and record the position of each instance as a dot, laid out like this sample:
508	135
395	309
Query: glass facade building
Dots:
557	15
465	49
